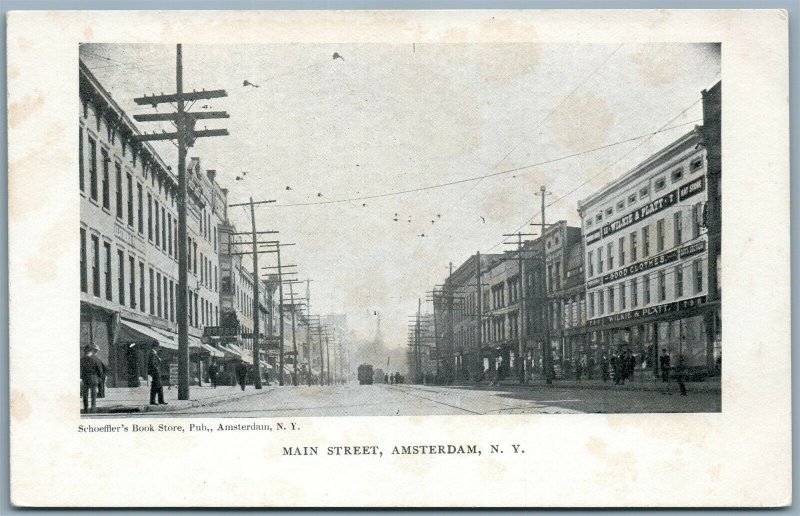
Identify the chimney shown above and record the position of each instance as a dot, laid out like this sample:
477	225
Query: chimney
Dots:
212	174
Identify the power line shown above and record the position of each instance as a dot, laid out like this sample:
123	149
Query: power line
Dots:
477	178
650	136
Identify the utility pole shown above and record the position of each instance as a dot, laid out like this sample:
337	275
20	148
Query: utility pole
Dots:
328	355
294	337
280	315
419	359
548	353
522	329
185	135
256	303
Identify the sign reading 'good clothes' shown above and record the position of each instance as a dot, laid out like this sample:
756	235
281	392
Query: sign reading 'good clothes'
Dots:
651	208
656	261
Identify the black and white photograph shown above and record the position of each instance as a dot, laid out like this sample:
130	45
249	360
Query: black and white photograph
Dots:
416	229
421	258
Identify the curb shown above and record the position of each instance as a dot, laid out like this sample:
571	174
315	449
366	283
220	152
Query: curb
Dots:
643	387
130	409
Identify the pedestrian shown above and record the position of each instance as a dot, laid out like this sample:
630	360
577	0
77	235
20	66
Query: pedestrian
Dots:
154	370
101	386
663	363
630	364
241	373
590	367
213	369
604	368
578	370
91	372
615	360
386	378
680	372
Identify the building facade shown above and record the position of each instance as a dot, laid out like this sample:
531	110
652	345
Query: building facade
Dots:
646	260
128	246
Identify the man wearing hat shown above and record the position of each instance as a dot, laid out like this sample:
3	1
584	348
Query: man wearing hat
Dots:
154	370
91	373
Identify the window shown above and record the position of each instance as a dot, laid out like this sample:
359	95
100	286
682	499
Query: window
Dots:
216	280
152	293
621	205
633	247
589	259
644	192
677	175
149	216
158	223
622	300
599	217
698	276
646	288
659	184
84	279
634	293
80	156
215	238
697	217
195	310
95	265
609	211
610	255
678	226
132	284
601	302
696	165
631	199
194	256
107	253
662	285
679	281
106	180
189	253
166	297
140	208
599	259
158	294
591	304
130	200
92	168
588	223
660	235
163	227
646	241
610	299
172	300
142	306
169	234
121	277
118	185
621	251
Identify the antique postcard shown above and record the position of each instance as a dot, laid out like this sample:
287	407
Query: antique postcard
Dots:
399	258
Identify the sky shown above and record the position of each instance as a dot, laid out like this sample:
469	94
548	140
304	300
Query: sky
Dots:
434	118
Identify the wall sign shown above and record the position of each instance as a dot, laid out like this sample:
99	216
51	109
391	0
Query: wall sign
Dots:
666	308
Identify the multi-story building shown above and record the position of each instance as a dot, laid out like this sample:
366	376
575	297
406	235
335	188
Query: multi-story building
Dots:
646	259
129	244
561	245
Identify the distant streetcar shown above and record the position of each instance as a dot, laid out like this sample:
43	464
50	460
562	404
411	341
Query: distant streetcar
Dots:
365	374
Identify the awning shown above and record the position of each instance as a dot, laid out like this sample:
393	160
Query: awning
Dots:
214	352
265	365
240	352
134	332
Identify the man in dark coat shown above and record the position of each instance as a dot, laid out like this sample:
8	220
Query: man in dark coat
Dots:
213	369
91	373
154	370
663	364
241	373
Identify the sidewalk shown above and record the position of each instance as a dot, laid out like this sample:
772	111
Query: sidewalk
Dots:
124	400
709	385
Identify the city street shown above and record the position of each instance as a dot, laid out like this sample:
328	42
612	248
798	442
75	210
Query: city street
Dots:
411	400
